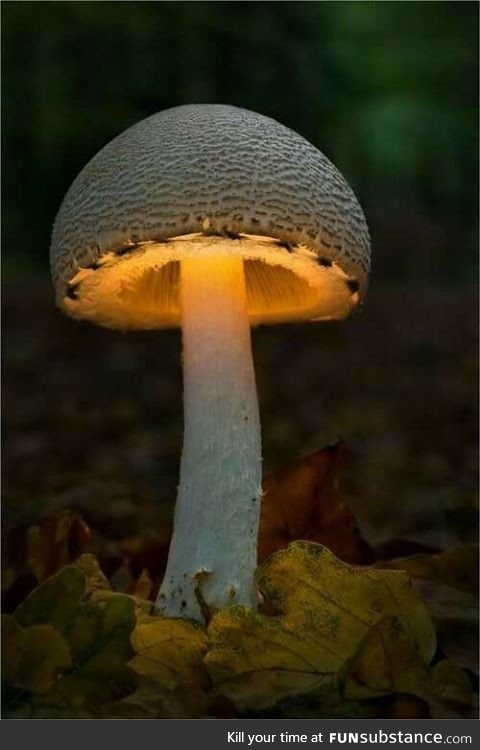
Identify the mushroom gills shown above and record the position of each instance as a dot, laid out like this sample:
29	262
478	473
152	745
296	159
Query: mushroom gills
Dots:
142	289
271	290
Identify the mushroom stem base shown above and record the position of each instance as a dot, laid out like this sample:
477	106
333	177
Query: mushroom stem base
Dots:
213	553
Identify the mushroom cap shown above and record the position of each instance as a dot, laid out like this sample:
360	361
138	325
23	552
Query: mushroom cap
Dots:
206	170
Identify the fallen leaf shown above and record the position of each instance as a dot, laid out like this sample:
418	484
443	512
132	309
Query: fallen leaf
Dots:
55	602
143	703
448	583
96	625
325	608
456	567
169	651
95	580
455	615
402	707
149	550
394	548
388	661
323	704
39	550
450	683
168	661
55	542
143	586
33	657
303	501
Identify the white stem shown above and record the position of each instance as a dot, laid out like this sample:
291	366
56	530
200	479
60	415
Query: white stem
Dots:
213	552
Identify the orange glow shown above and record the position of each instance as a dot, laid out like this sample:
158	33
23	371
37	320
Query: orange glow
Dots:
142	289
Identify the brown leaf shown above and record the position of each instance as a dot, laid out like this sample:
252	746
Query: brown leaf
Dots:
142	587
394	548
303	501
405	707
448	583
457	567
455	614
38	551
95	580
147	552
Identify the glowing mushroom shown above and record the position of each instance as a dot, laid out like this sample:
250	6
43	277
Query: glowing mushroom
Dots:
211	218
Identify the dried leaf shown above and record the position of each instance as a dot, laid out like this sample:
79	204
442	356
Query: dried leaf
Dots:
168	660
448	583
95	580
456	567
148	550
55	602
33	656
455	615
141	704
95	624
326	609
143	586
450	683
44	547
303	501
388	661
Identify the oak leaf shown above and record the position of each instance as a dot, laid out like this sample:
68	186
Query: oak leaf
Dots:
171	677
95	623
388	661
33	656
457	567
325	609
448	584
303	501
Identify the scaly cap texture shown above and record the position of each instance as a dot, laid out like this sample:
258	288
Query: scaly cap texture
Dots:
208	168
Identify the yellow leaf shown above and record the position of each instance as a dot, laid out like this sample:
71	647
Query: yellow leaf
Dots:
388	661
55	601
33	656
326	608
95	623
168	651
448	584
256	660
10	647
168	662
95	579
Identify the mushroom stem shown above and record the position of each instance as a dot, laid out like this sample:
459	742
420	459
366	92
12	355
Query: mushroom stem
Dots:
213	552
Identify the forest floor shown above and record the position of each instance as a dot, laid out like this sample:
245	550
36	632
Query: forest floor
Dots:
93	430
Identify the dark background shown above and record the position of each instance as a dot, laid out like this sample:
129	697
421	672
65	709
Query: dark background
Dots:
93	419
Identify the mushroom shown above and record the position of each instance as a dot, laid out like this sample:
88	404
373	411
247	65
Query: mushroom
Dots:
214	219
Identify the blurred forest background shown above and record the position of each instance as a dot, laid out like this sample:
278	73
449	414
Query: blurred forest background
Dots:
389	91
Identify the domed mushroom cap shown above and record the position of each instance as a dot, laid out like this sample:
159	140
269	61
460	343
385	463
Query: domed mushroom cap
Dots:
187	179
